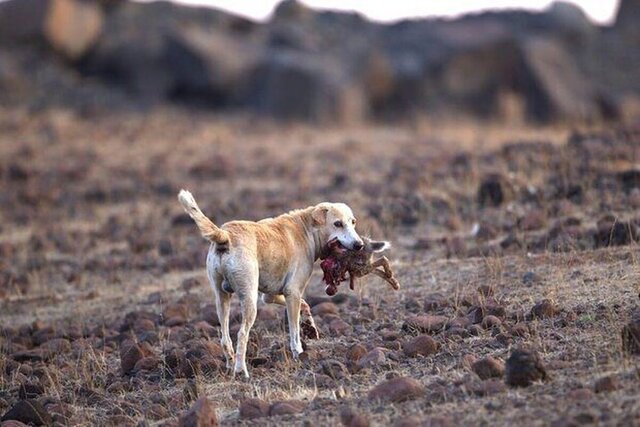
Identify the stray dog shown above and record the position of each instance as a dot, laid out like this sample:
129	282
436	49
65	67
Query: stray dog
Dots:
338	261
274	256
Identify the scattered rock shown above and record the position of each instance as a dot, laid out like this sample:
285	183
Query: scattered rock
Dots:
530	278
425	323
488	387
253	408
523	367
490	321
287	407
149	363
488	367
631	337
324	308
413	420
351	418
467	361
607	384
201	414
28	411
520	330
397	390
535	219
375	357
423	345
334	369
544	309
132	352
355	352
492	191
30	391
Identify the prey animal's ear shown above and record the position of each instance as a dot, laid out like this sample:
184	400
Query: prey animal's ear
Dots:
379	246
319	214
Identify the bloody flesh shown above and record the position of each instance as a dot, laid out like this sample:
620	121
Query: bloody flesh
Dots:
333	269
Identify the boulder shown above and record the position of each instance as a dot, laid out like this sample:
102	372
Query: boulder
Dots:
71	27
299	86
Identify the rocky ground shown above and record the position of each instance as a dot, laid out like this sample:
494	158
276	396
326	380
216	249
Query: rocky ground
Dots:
516	250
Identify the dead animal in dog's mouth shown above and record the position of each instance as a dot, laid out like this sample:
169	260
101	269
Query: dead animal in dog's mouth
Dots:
338	261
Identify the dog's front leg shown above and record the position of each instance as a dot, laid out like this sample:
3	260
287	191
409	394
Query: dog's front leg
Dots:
308	325
293	316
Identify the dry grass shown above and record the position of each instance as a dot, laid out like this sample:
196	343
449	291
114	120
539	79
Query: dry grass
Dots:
91	231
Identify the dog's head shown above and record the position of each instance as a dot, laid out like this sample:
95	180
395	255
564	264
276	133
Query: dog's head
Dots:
336	223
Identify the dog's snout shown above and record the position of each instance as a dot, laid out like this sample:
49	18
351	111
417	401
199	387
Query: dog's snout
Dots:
358	245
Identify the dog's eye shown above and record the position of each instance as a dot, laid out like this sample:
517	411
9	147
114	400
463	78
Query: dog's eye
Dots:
338	224
353	221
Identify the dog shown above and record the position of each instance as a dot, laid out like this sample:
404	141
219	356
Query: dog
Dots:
273	256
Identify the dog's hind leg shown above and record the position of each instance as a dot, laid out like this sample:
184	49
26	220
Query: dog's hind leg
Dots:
248	293
223	306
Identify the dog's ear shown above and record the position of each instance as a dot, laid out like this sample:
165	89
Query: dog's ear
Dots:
379	246
319	214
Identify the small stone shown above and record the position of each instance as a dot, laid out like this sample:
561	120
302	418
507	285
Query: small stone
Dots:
254	408
351	418
287	407
488	387
530	278
490	321
149	363
423	345
131	352
375	357
397	390
520	330
201	414
468	360
355	352
607	384
324	308
30	391
488	367
425	323
28	411
631	337
544	309
523	367
413	420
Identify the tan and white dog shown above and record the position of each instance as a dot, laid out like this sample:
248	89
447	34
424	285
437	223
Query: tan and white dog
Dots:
275	257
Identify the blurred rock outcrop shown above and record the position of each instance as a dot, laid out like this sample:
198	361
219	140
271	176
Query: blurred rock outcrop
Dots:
319	66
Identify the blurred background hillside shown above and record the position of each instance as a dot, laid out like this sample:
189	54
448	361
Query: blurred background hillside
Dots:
92	56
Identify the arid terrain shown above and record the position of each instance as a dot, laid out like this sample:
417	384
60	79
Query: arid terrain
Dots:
505	238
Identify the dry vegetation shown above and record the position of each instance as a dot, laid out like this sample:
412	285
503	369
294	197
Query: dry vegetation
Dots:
502	237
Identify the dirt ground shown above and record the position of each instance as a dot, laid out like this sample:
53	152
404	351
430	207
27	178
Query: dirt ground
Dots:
504	237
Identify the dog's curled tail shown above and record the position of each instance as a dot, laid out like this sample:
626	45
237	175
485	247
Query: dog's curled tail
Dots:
209	230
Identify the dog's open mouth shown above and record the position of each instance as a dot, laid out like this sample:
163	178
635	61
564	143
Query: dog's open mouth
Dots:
334	246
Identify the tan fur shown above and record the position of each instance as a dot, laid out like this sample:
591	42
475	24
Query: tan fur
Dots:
275	257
